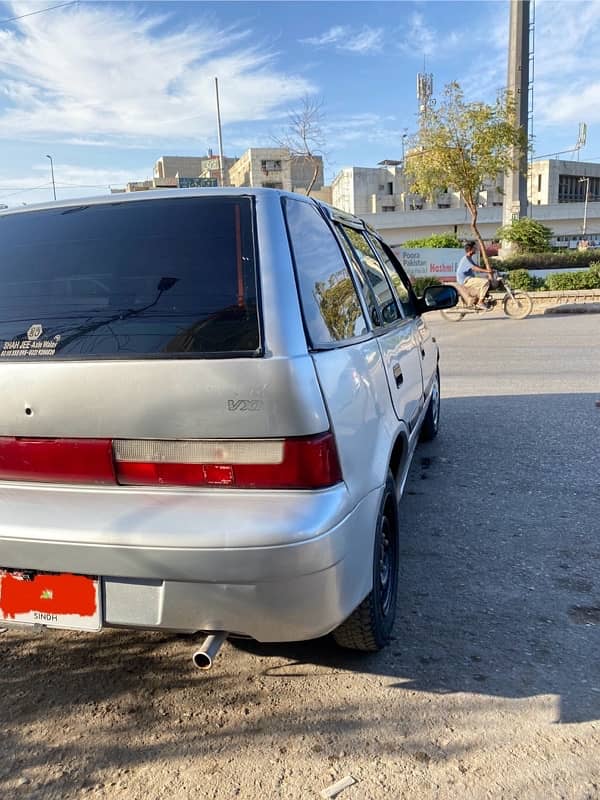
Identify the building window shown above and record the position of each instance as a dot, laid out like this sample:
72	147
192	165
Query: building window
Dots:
270	165
273	185
390	187
539	182
572	190
388	208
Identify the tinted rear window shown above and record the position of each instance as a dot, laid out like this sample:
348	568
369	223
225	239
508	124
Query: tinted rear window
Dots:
154	277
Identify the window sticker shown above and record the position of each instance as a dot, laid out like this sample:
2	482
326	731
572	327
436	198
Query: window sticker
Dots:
32	345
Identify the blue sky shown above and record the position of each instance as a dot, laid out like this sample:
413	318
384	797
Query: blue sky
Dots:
106	88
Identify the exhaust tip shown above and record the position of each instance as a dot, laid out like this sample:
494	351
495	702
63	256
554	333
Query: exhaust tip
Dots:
202	660
204	657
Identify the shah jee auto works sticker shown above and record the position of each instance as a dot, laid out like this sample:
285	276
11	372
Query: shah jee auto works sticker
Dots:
33	345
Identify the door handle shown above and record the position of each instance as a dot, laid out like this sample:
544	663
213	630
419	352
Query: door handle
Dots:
398	376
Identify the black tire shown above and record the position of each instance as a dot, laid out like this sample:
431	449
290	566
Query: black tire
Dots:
369	627
431	423
519	306
455	314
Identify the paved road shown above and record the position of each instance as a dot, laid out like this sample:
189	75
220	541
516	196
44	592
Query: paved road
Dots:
491	687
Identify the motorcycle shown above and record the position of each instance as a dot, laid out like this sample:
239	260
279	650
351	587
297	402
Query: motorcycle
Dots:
515	304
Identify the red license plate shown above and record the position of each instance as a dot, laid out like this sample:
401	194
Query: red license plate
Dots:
54	600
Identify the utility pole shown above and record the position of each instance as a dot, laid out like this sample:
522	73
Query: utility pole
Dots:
585	204
219	133
515	183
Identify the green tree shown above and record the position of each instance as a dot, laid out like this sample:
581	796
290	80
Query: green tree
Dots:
435	240
461	145
337	300
527	234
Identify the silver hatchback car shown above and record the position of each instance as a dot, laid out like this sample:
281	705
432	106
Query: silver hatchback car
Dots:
210	401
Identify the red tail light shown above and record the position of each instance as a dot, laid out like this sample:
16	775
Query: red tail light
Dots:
58	460
300	463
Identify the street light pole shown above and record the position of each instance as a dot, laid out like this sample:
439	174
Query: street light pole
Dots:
219	133
52	173
404	138
585	204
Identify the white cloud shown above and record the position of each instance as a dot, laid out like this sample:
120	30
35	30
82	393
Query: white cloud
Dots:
87	141
72	181
341	37
103	73
334	35
87	177
567	63
376	129
420	40
484	62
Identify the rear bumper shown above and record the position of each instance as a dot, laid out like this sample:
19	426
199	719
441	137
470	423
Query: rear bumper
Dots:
285	567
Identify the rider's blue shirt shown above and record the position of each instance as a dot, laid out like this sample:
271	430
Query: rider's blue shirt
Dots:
464	269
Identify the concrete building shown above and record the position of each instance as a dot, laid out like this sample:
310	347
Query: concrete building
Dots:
193	167
565	219
177	182
275	168
386	189
557	199
554	181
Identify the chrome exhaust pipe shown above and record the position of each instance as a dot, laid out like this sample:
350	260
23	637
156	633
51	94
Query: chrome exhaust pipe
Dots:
204	657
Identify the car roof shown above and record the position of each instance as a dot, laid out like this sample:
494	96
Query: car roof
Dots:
161	194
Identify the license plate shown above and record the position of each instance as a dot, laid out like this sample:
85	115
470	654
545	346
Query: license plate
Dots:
50	599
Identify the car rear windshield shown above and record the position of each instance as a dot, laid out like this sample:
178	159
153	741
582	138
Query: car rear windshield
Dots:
169	277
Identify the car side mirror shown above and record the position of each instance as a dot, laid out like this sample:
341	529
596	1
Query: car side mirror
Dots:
436	298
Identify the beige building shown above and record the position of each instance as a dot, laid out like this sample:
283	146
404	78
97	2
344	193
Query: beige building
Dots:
275	168
271	167
193	167
555	181
557	199
565	220
386	189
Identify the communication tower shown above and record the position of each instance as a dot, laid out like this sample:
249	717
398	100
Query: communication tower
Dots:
424	90
581	138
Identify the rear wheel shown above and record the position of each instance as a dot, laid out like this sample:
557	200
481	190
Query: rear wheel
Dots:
369	627
456	313
431	423
518	306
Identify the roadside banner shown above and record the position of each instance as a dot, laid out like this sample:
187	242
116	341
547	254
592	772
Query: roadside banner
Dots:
425	262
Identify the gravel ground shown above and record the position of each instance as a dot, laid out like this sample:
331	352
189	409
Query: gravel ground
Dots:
491	687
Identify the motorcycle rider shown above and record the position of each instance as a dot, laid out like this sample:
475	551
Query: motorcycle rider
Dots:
474	289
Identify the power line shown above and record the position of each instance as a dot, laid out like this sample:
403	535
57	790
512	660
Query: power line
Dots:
41	11
45	185
29	189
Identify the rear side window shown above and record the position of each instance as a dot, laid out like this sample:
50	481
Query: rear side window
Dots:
375	276
398	281
144	278
331	308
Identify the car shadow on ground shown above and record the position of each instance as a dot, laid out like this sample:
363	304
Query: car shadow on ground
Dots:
500	575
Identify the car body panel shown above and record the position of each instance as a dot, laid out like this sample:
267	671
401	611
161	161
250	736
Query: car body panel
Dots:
150	398
401	355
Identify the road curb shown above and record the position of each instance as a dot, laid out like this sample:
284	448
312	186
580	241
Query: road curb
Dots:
585	301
